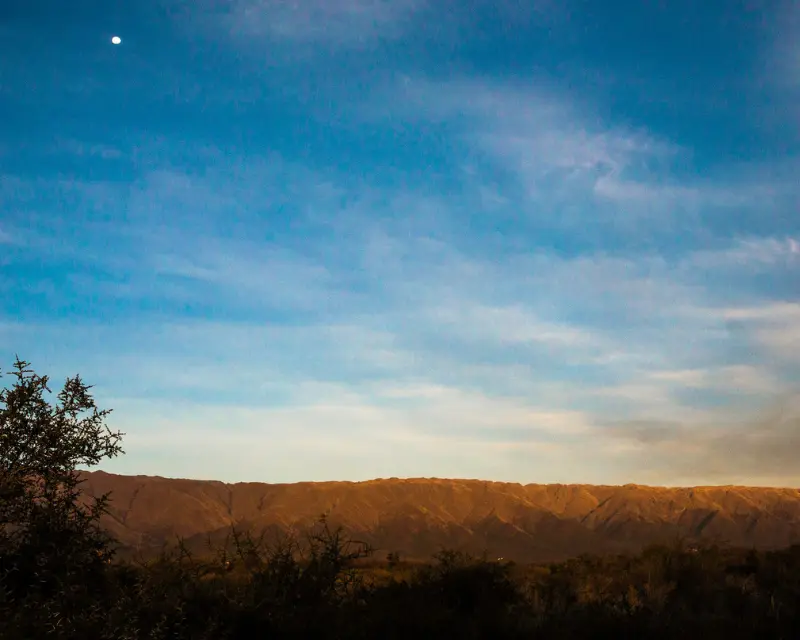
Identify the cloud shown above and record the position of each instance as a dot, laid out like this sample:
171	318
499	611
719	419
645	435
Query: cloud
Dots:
784	57
627	191
556	158
455	412
506	326
396	276
742	378
264	276
82	149
774	327
374	328
300	30
536	132
345	23
329	422
750	253
760	446
778	312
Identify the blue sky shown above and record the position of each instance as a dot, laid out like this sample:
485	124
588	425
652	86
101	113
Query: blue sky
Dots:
345	239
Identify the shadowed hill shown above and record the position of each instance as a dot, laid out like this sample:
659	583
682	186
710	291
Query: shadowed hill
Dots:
417	517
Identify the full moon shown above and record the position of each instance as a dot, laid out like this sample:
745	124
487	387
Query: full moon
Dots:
116	40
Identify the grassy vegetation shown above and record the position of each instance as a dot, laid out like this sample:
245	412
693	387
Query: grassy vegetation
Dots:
59	577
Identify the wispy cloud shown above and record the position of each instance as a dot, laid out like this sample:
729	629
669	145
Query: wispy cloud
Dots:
742	378
264	276
773	327
757	447
536	131
784	57
79	148
405	338
564	158
6	237
344	23
750	253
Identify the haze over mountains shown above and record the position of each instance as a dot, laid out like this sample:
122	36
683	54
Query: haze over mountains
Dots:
417	517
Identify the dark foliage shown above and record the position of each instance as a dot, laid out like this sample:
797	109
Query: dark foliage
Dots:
57	578
52	552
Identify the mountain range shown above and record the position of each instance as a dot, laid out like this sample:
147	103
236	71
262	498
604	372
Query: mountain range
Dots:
419	516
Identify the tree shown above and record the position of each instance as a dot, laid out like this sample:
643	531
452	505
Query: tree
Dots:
49	532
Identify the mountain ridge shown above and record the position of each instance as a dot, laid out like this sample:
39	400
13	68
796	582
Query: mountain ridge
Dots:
418	516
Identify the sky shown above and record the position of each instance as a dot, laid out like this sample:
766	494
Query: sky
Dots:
347	239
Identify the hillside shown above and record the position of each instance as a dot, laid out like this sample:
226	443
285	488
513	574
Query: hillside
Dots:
417	517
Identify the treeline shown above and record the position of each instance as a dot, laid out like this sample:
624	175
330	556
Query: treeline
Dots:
59	577
274	592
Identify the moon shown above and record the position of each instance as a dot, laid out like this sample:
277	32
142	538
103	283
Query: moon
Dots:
116	40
